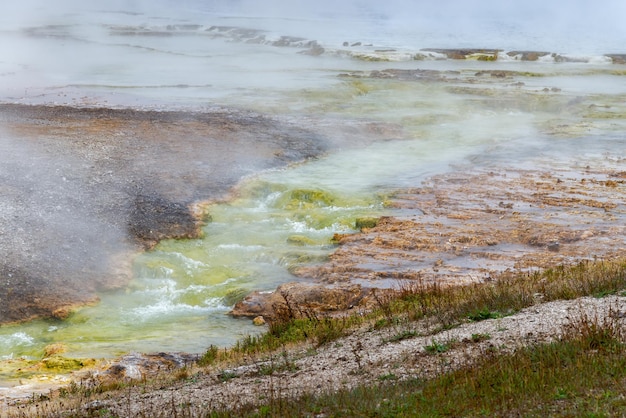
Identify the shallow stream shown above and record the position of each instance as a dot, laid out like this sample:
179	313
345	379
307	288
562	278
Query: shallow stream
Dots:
454	112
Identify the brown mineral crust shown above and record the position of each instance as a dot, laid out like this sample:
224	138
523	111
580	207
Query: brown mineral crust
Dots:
25	298
617	58
299	299
460	54
469	225
528	55
84	189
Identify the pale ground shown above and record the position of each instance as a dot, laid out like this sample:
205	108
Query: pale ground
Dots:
365	356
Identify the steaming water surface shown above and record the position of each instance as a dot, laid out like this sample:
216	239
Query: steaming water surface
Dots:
196	56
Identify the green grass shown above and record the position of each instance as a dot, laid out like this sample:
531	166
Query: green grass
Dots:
436	347
508	294
448	306
582	374
476	338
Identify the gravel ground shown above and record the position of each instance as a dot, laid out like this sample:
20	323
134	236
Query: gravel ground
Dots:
364	356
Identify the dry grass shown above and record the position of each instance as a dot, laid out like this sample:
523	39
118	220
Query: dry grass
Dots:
582	372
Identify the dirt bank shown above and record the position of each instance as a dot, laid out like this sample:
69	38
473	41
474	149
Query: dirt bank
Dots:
83	188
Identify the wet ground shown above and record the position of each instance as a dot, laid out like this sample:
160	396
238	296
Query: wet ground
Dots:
83	189
474	223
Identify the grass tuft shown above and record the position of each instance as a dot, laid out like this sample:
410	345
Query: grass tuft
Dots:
580	374
450	306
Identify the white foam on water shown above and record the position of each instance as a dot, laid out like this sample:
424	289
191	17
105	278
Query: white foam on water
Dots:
189	264
165	308
16	340
240	247
66	51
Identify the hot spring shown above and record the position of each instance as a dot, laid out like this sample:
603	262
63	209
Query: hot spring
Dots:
384	88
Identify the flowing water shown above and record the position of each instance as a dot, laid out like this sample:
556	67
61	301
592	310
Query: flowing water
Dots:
191	55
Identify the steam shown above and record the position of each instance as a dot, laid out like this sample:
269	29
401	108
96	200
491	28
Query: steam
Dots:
72	45
54	223
51	229
576	22
547	24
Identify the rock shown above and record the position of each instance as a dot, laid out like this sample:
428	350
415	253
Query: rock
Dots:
315	50
134	366
154	218
553	246
564	58
258	321
617	58
298	299
527	55
461	54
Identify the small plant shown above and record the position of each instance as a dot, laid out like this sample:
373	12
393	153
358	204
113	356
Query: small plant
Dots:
606	334
384	302
356	350
183	373
604	293
266	369
227	375
387	377
476	338
560	393
404	335
484	314
380	323
209	357
436	347
328	330
271	367
264	411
